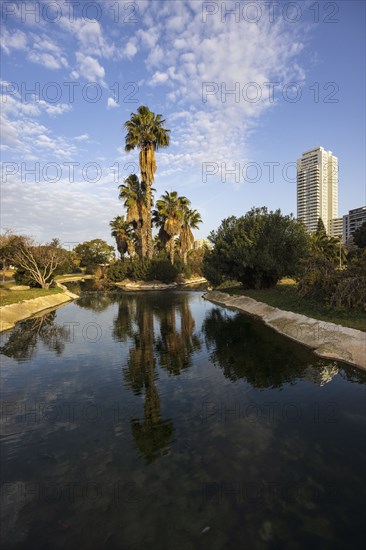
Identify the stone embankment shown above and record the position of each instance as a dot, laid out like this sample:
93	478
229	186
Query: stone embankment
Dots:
11	314
326	339
157	285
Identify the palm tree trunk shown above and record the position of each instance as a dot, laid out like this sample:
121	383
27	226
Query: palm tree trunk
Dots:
147	169
171	249
148	229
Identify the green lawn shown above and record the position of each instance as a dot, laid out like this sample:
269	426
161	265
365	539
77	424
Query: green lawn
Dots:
284	296
8	296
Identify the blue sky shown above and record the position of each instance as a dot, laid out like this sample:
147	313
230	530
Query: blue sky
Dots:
297	74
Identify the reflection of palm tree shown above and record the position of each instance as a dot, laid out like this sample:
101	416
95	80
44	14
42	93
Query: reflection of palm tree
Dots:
23	338
122	323
176	348
152	433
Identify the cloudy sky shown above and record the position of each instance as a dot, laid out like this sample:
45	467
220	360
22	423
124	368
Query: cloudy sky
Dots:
245	87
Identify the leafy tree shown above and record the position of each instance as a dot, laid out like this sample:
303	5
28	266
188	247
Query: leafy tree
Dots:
256	249
94	252
146	132
320	230
359	236
9	242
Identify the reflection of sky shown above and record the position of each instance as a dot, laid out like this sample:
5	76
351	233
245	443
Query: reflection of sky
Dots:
227	433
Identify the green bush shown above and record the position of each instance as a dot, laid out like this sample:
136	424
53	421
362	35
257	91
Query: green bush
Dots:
319	280
92	269
257	249
158	269
118	271
162	270
139	270
195	262
23	278
350	293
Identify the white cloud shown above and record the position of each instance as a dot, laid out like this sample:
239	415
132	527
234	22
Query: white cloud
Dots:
46	52
47	60
227	54
158	78
53	109
82	137
130	50
27	137
68	213
89	68
89	35
16	40
13	104
111	103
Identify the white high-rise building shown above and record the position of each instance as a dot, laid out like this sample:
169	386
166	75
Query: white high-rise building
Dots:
317	188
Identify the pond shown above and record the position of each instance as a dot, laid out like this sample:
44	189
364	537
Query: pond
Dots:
159	420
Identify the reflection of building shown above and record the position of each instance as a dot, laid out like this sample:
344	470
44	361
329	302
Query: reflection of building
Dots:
317	188
352	221
336	228
200	243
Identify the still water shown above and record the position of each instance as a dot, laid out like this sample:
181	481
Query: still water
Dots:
161	421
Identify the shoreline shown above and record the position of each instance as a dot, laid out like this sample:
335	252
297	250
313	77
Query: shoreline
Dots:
13	313
129	285
327	340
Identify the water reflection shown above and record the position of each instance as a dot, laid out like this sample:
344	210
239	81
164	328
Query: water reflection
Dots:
246	349
177	345
160	336
93	432
22	341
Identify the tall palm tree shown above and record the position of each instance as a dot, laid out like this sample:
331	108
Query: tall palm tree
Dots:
168	216
121	231
146	132
191	220
133	193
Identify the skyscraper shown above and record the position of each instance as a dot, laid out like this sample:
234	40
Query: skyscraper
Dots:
317	188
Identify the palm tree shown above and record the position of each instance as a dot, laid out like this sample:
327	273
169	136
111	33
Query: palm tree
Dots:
146	132
168	216
191	220
133	193
121	231
327	247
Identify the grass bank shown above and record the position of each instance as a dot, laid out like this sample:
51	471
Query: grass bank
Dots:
8	296
284	296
